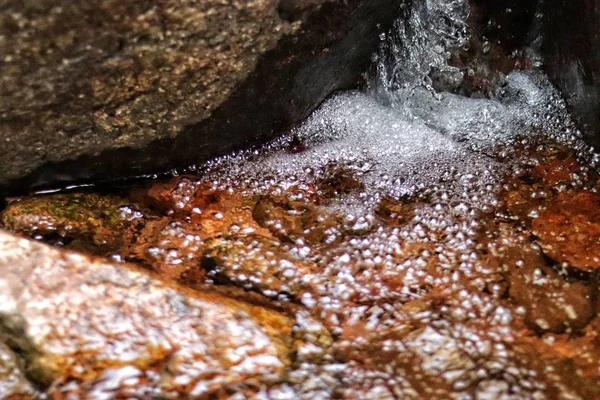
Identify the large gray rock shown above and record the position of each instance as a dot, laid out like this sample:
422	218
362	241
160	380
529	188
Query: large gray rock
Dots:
107	88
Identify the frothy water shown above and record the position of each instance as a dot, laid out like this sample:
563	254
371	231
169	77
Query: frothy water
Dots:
418	46
379	216
426	140
400	135
449	154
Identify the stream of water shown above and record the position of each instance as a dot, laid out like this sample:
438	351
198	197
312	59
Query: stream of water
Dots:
402	136
398	218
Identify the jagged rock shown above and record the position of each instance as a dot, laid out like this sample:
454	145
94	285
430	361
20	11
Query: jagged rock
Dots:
102	89
86	326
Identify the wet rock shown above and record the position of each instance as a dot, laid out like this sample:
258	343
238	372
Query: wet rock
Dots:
85	327
569	230
560	169
298	220
553	198
257	263
165	246
552	303
338	180
395	212
211	211
436	289
13	384
555	359
571	30
84	221
105	89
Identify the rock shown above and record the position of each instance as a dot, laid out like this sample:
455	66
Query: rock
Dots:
13	384
82	221
420	295
85	327
293	220
569	230
258	263
166	247
106	89
568	379
551	302
571	33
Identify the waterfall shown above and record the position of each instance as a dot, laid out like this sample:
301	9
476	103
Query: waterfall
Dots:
418	46
403	132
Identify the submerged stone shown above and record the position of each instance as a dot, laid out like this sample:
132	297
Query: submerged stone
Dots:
552	303
569	230
398	228
84	221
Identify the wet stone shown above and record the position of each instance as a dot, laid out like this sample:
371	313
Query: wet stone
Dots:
113	330
395	212
299	220
339	180
420	298
569	230
210	210
257	263
13	383
405	237
84	221
552	302
106	89
565	373
164	246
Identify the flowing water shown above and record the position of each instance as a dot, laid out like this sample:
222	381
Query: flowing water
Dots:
390	217
418	309
400	134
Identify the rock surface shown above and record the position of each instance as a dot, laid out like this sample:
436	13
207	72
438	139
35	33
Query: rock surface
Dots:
113	330
13	384
571	50
426	254
104	89
421	300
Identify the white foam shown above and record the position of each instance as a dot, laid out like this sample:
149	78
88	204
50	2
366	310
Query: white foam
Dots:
429	140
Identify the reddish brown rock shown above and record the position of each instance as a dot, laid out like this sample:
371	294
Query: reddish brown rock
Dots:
164	246
552	302
258	263
115	330
423	297
569	230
